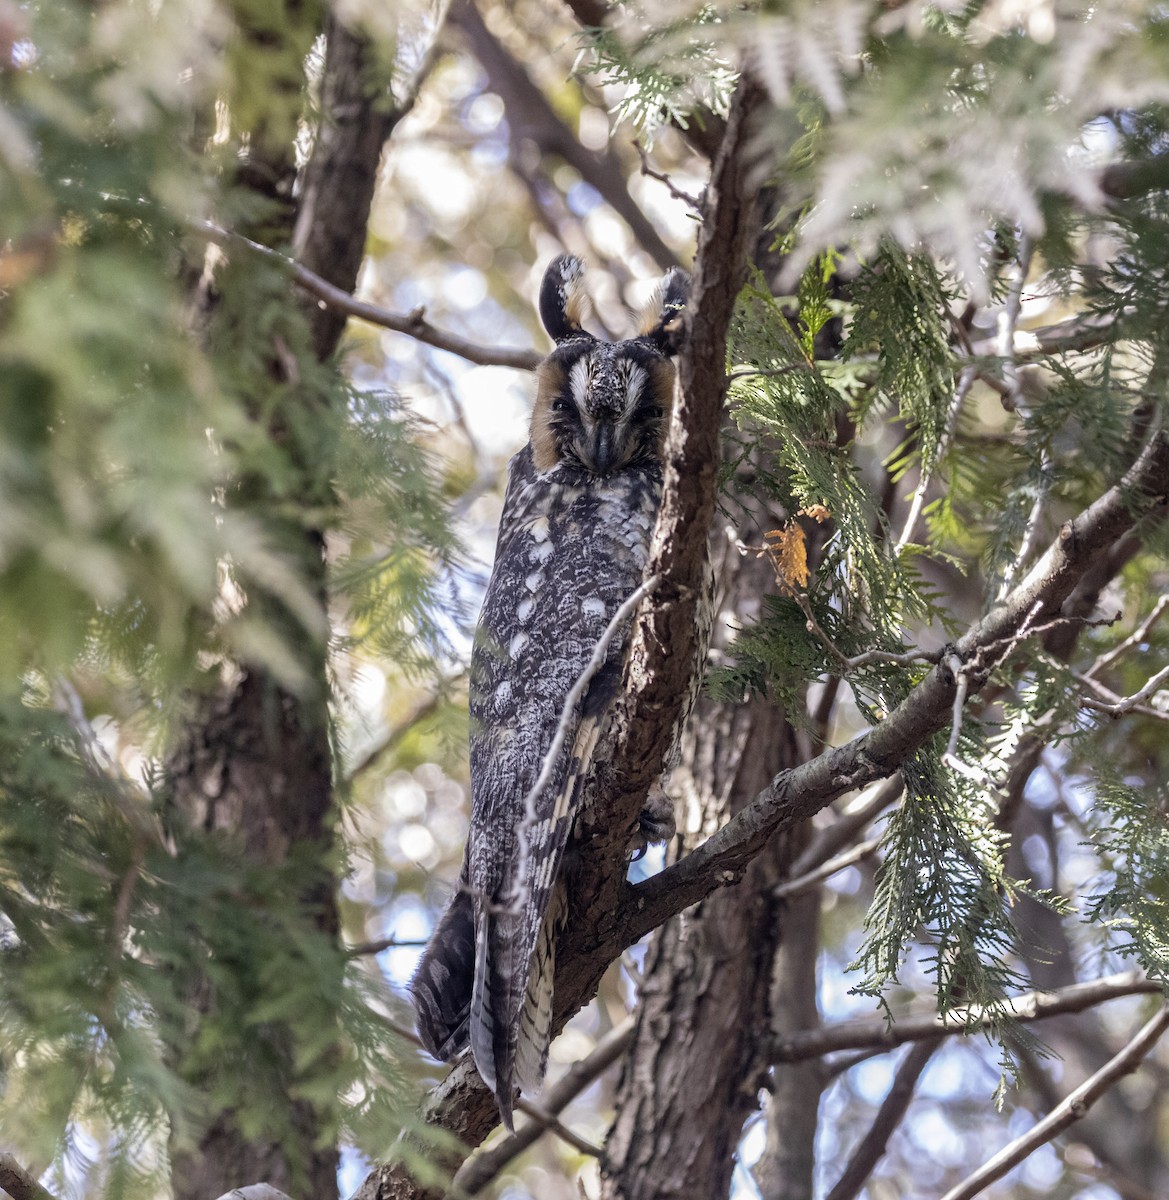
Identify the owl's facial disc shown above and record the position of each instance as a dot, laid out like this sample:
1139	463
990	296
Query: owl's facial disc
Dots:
601	405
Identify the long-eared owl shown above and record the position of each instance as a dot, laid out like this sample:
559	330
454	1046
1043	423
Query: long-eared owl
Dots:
581	501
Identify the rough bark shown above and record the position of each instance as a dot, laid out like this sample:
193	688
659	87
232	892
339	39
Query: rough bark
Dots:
642	720
254	764
697	1062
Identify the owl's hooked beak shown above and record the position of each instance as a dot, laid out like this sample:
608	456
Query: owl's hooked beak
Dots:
605	450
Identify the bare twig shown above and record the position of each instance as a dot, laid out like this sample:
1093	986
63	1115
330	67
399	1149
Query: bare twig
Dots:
802	883
856	816
1118	706
478	1172
1031	1006
515	895
1135	638
965	382
691	201
414	323
871	1148
1070	1110
18	1183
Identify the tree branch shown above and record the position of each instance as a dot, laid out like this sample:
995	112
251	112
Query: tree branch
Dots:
414	324
1031	1006
476	1173
802	791
871	1148
1072	1109
18	1183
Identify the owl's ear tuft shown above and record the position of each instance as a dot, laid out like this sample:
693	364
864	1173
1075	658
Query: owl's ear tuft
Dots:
563	302
663	320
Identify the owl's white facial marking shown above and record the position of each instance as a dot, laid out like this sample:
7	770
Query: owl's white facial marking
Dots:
601	406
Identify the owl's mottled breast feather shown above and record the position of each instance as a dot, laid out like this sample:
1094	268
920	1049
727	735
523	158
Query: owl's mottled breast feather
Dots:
571	548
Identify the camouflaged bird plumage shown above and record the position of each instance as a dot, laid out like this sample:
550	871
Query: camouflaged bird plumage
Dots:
579	510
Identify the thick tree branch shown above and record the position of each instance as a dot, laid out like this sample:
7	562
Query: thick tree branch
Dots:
801	792
1068	1112
1032	1006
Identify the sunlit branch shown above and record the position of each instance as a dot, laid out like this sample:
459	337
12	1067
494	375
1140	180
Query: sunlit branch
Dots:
1031	1006
476	1173
1070	1110
18	1183
414	324
1106	701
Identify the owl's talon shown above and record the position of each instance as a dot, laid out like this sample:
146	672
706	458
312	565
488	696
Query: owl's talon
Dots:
655	823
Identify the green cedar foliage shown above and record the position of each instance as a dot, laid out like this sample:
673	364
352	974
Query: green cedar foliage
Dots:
183	487
942	145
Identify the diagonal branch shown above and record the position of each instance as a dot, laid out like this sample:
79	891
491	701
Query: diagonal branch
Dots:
799	793
414	323
476	1173
1068	1112
871	1148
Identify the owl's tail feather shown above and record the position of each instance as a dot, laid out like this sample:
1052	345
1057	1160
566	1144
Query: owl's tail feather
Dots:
510	1024
535	1033
491	1032
443	983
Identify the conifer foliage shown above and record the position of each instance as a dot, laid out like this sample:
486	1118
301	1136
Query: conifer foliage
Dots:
239	560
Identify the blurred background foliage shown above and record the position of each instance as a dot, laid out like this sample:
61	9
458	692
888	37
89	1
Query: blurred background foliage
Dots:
940	179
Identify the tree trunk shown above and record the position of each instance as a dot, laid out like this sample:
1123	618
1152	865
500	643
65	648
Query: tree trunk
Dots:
255	762
699	1057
